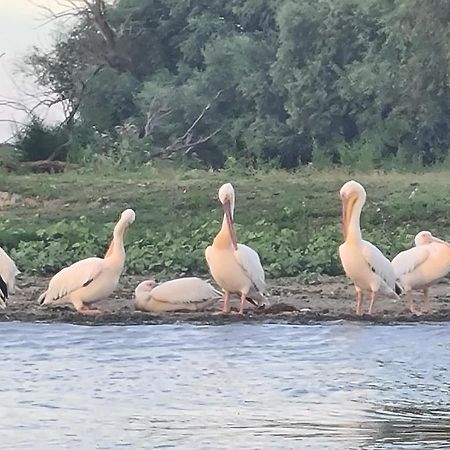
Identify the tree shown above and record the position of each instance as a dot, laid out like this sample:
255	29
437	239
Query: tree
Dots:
258	80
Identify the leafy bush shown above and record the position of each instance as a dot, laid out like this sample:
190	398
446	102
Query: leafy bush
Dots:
38	141
283	251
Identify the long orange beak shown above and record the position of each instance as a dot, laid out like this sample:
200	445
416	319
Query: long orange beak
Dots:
347	207
344	199
440	241
230	223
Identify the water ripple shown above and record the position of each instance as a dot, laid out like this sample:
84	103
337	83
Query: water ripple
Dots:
335	386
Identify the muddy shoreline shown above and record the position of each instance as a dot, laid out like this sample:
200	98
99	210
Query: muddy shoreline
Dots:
327	299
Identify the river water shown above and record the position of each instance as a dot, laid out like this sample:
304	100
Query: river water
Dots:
236	386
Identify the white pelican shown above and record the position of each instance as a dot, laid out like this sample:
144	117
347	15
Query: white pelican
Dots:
363	263
90	279
235	267
8	273
181	294
421	266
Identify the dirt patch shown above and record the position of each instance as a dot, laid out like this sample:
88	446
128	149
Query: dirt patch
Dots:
11	199
328	299
8	199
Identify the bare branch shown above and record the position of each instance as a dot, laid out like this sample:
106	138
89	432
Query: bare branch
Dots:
154	116
200	117
15	122
80	96
185	142
191	147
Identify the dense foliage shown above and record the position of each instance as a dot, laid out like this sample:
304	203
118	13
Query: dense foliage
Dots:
291	219
355	82
164	252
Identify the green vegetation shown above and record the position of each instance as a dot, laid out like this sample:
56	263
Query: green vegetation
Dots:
358	83
291	219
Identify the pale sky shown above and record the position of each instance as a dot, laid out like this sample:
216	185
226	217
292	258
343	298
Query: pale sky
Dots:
21	27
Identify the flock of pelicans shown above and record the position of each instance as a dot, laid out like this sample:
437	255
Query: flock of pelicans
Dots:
237	269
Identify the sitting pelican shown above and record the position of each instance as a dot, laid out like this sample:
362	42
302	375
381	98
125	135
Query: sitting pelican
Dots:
363	263
421	266
90	279
181	294
8	273
235	267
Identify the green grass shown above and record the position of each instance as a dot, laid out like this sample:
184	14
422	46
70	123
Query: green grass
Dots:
291	219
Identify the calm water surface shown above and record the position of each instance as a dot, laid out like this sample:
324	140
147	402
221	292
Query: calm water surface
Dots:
335	386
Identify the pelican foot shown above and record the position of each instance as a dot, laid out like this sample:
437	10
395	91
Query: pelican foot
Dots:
89	312
425	309
219	313
415	311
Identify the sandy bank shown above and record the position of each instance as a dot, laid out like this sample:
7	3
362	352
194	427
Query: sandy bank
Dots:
331	298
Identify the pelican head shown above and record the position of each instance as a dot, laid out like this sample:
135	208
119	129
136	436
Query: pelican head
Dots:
425	237
128	216
143	290
350	193
226	197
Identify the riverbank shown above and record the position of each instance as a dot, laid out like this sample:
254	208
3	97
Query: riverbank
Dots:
326	299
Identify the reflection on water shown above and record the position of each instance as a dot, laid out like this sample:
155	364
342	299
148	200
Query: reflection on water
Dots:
334	386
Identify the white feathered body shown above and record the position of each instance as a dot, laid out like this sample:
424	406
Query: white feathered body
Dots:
91	279
422	266
8	273
238	270
367	267
86	281
181	294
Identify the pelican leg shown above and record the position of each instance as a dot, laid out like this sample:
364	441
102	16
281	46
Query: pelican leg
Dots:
372	302
426	301
243	300
412	306
226	302
359	299
83	309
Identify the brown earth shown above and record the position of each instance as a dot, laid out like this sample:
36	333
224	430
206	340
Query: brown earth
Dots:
327	299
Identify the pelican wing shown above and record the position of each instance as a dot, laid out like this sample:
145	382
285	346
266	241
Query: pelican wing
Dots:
184	291
8	272
379	264
250	263
409	260
74	277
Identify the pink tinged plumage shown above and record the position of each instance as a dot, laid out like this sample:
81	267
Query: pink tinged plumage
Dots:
421	266
91	279
236	268
181	294
363	263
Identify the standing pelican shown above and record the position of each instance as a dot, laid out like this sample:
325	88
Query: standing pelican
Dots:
421	266
8	273
181	294
90	279
363	263
235	267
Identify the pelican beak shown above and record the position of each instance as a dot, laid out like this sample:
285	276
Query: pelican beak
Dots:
347	206
230	222
344	199
440	241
